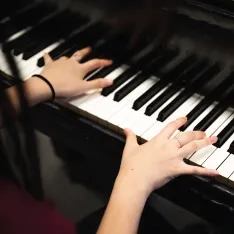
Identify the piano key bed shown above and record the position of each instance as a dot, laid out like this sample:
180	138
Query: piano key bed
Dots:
152	85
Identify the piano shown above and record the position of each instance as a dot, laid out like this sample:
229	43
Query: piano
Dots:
177	60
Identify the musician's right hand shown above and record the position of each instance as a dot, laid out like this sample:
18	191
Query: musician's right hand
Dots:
153	164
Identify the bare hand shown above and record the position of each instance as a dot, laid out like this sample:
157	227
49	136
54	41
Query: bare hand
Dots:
156	162
67	74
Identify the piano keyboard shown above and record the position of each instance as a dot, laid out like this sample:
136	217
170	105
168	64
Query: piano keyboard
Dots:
145	96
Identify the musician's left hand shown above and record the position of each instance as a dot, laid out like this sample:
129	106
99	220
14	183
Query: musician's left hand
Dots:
67	74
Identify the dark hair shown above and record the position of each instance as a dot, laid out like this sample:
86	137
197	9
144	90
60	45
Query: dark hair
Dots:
19	158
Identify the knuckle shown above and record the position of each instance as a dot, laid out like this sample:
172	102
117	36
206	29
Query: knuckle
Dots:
96	61
173	125
194	170
100	82
208	141
194	145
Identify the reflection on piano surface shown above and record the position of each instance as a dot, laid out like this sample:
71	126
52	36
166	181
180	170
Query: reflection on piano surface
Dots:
190	74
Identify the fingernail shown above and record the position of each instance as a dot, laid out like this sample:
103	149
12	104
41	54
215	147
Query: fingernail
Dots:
213	139
214	172
108	82
184	118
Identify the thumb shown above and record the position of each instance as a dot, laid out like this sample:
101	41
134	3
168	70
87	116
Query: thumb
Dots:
193	170
98	84
131	140
47	58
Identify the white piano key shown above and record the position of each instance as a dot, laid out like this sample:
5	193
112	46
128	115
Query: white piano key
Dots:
109	107
28	66
202	155
227	167
158	126
220	154
224	119
92	104
3	63
200	118
140	117
98	109
85	98
216	159
36	71
227	144
185	108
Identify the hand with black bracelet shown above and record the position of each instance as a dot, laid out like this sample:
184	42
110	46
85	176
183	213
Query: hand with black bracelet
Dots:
66	75
62	78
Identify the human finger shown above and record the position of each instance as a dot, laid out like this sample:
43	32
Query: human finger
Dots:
170	129
186	137
131	140
80	54
196	145
47	59
195	170
97	84
96	63
63	58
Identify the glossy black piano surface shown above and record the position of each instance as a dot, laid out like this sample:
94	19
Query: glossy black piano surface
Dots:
193	44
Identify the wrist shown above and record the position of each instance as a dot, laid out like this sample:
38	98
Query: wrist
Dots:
130	184
37	89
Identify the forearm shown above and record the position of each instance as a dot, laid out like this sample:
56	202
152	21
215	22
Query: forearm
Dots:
35	91
124	209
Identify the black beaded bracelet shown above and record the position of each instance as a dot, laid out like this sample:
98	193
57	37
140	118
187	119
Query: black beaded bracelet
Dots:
50	85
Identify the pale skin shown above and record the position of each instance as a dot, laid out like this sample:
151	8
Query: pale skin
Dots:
144	168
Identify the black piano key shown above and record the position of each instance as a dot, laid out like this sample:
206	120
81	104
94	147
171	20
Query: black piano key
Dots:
105	71
161	61
119	81
189	91
159	101
140	63
174	105
81	39
119	59
58	33
225	134
106	51
44	31
187	76
38	33
175	73
194	114
210	117
158	62
27	18
130	87
107	47
221	90
231	148
11	8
